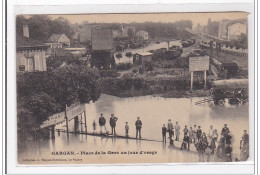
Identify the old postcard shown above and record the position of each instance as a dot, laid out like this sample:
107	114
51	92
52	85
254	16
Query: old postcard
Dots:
132	88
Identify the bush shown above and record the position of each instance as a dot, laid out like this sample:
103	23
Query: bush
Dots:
108	73
129	54
124	66
135	70
40	94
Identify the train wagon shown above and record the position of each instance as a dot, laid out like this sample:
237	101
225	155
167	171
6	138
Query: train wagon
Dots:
235	90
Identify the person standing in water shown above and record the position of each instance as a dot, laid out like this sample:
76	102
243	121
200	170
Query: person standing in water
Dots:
164	130
126	129
138	125
170	129
112	122
102	123
195	134
177	131
94	126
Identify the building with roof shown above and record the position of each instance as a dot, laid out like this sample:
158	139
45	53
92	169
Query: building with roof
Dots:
142	58
102	47
30	54
222	29
231	30
142	35
116	33
234	31
58	41
85	34
126	30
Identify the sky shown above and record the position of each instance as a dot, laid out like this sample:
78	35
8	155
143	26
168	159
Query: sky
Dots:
196	18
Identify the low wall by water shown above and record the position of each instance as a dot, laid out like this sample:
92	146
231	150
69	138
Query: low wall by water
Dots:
129	87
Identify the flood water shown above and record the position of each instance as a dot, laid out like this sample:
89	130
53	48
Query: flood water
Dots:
153	112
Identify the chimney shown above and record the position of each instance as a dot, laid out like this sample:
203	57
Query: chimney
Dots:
26	31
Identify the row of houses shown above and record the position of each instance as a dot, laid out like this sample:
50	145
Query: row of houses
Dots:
229	30
226	30
31	54
84	33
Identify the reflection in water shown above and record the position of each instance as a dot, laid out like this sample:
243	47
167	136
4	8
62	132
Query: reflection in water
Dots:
126	141
138	144
53	144
164	147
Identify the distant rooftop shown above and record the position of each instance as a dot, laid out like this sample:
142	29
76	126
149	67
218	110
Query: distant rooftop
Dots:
23	42
54	37
145	53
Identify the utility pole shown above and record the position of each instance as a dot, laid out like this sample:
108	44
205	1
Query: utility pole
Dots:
191	81
205	79
81	122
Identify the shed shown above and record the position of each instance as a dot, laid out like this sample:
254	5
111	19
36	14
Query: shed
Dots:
142	58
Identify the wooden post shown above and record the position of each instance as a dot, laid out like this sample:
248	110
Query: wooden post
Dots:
52	132
81	122
76	124
191	81
205	79
85	122
67	125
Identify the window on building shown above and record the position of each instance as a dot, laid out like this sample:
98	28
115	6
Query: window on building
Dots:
22	68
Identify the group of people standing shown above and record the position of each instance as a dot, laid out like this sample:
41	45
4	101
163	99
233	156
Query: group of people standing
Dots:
191	135
205	144
112	122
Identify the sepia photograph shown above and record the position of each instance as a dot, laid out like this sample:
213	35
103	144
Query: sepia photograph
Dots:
132	88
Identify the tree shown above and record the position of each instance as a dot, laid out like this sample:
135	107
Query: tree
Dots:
213	28
41	27
75	83
130	33
129	55
41	94
119	56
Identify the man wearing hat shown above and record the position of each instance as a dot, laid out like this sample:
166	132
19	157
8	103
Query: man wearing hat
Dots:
102	122
170	129
225	130
138	125
126	129
112	122
177	131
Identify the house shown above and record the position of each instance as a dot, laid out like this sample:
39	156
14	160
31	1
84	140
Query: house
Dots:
231	30
58	41
102	48
85	34
222	29
142	35
102	39
126	31
30	53
234	31
116	33
142	58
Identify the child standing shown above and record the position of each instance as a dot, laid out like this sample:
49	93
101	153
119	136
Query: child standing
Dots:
94	126
126	129
164	130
